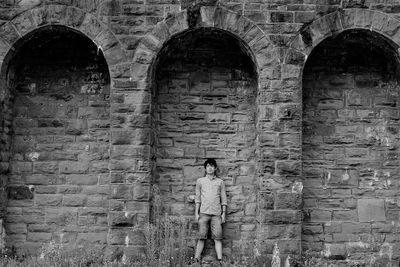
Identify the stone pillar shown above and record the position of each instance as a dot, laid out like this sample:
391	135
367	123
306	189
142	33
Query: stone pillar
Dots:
5	129
279	169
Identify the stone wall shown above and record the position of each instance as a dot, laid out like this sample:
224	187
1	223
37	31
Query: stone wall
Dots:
279	37
60	142
206	94
350	109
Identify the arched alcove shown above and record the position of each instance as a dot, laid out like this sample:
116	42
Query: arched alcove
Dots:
59	86
350	146
204	94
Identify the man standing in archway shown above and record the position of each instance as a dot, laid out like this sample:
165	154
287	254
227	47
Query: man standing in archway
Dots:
210	208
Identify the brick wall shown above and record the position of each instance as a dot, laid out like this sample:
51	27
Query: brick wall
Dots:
59	170
205	95
279	35
350	109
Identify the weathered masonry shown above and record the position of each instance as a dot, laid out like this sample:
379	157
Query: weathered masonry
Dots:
102	100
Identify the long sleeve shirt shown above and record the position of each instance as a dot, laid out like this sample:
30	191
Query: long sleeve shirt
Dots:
211	195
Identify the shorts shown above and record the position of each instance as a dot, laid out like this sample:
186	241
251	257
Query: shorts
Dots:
205	221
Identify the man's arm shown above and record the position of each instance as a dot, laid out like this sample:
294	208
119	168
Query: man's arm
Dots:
224	202
197	200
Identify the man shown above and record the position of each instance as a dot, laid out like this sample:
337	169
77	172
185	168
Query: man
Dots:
210	208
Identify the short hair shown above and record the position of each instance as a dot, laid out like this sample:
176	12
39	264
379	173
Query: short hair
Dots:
212	162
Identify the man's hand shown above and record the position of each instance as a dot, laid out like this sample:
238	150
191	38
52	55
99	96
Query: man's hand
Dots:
197	216
223	217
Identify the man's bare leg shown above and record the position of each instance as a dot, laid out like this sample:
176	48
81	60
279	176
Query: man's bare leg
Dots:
218	248
199	248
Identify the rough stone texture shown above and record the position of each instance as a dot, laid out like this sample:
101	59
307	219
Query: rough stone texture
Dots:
349	143
205	95
65	145
60	135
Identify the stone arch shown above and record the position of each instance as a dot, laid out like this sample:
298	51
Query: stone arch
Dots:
263	52
14	37
68	16
347	35
334	23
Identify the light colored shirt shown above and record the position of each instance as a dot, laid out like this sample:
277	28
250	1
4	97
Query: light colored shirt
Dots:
211	195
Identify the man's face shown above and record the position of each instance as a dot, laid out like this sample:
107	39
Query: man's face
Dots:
210	169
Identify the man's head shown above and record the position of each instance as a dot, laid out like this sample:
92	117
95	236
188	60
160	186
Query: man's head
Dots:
210	166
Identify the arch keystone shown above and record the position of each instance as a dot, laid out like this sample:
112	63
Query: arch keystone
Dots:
348	17
74	17
56	13
207	16
220	18
363	18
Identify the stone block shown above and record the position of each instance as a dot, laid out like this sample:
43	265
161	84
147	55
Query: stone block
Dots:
266	200
318	215
371	210
24	23
335	251
141	192
19	192
379	20
74	17
283	231
61	217
288	168
122	219
92	238
268	139
81	179
344	215
288	200
9	33
38	237
45	167
71	167
289	247
121	192
15	228
17	167
90	26
289	139
250	209
356	228
177	23
364	18
192	173
74	200
281	216
33	215
48	200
